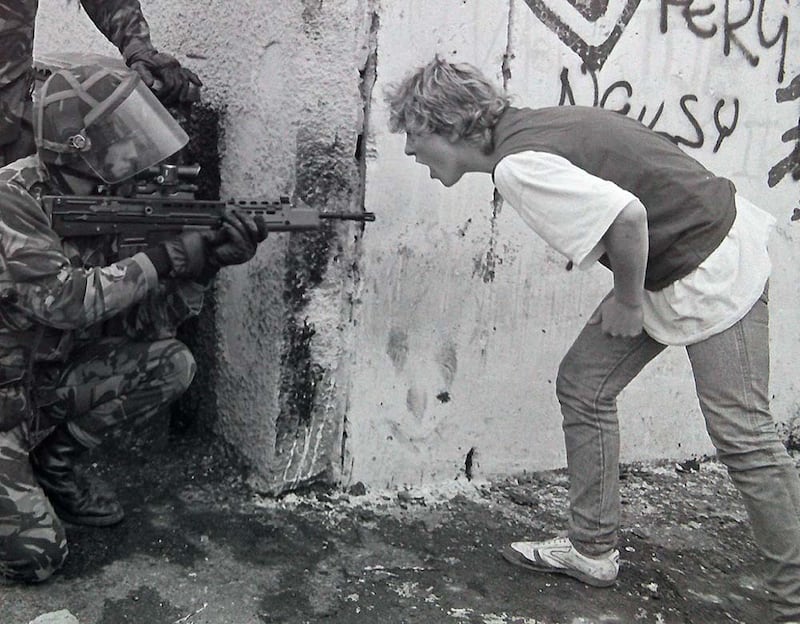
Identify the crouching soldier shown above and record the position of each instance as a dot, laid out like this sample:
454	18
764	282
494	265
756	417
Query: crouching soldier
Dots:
65	379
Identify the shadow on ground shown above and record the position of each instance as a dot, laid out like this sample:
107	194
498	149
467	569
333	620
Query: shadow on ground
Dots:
197	547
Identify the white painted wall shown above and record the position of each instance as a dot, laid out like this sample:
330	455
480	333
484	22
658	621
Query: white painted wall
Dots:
448	359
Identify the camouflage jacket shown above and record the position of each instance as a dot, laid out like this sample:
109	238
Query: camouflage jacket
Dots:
121	21
54	292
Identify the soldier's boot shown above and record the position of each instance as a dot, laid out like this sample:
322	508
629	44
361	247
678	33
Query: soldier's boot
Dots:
74	498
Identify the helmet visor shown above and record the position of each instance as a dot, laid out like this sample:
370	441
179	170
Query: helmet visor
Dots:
137	134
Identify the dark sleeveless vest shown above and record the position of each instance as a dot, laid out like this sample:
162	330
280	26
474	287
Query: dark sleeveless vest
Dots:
689	209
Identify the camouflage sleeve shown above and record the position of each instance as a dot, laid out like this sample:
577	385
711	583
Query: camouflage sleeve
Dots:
158	316
17	22
38	279
122	22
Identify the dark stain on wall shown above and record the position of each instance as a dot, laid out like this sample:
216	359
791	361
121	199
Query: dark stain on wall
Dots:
397	348
196	410
324	174
485	266
300	375
469	463
447	359
306	261
311	16
203	124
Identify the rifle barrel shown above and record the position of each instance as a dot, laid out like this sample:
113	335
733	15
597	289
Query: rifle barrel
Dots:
348	216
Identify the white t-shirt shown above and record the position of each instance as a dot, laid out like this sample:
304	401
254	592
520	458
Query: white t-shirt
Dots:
572	209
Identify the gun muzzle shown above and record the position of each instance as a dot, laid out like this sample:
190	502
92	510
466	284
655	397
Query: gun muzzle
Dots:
348	216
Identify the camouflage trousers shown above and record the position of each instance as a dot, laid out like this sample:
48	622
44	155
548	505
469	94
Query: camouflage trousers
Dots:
105	384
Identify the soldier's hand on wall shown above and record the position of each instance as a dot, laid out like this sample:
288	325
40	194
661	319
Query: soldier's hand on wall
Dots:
172	83
240	236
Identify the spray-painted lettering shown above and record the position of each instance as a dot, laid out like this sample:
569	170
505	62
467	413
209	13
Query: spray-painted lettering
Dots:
736	25
744	29
734	22
790	164
725	115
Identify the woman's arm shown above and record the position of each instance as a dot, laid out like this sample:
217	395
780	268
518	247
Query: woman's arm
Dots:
626	243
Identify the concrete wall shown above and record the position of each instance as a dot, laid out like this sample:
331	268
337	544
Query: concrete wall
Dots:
286	79
427	348
466	314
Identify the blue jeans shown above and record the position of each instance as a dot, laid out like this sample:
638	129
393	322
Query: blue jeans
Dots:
731	373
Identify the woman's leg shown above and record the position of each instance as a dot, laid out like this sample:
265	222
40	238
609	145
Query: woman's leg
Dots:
731	372
592	374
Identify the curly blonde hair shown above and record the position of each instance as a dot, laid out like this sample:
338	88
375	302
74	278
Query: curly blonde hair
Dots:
448	99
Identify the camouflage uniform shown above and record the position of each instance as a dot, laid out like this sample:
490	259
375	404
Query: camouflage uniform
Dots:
122	23
60	362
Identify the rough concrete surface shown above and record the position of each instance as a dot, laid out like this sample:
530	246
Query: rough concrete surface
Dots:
199	547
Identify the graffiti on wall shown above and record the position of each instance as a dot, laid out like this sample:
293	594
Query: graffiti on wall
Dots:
593	32
745	28
729	25
725	112
747	33
790	164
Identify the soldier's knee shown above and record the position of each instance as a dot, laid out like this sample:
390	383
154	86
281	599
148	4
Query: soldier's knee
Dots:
32	560
181	364
188	367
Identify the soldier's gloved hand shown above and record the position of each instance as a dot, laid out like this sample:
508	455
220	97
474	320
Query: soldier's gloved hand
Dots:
238	238
172	83
186	256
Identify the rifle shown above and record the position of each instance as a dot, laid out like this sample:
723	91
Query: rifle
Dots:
160	204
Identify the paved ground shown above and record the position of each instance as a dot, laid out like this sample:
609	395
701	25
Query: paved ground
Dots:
197	547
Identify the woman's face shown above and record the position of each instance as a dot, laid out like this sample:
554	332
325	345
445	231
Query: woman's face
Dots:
440	154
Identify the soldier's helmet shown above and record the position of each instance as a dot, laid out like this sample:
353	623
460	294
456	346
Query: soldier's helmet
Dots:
102	117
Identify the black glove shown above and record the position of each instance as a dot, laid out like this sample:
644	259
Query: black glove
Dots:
187	256
238	238
162	72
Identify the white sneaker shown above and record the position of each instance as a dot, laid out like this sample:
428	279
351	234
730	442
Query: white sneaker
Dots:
559	556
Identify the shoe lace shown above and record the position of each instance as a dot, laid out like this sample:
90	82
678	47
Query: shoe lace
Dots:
558	541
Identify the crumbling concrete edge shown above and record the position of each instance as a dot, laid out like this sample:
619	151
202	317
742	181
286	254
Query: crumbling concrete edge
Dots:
322	279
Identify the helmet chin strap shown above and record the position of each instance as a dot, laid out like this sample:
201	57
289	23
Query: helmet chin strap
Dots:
61	175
